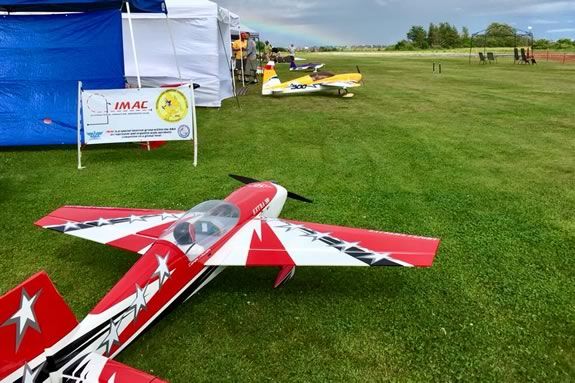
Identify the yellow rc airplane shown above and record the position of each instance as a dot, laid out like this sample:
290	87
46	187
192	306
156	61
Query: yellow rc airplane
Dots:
314	82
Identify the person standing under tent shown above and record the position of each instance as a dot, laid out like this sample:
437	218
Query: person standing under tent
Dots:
239	47
291	53
251	59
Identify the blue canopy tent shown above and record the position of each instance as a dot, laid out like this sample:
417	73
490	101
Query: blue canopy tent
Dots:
42	58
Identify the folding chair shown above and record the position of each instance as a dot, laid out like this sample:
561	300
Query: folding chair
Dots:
516	57
491	57
482	58
524	58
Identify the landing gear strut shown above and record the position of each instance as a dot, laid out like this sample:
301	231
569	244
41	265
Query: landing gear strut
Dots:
344	93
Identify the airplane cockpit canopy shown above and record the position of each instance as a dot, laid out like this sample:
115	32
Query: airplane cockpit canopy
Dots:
321	75
202	226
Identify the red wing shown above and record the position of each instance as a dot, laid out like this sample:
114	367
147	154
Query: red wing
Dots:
276	242
129	229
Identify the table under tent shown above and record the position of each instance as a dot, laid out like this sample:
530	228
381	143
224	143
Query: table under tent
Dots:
191	43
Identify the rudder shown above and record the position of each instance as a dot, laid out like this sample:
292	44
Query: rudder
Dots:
270	78
33	317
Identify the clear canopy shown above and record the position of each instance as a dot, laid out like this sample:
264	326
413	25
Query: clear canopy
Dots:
202	226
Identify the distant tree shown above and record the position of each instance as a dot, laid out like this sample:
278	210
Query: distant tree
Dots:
432	36
465	39
542	44
501	35
404	45
564	44
448	35
418	36
260	45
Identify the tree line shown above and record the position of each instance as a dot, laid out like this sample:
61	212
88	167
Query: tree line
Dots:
446	36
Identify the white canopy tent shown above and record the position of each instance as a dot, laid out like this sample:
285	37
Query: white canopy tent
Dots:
200	32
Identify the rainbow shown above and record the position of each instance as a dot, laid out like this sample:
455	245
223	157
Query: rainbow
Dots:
282	34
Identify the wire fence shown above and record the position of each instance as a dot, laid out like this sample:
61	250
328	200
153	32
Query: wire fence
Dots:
562	57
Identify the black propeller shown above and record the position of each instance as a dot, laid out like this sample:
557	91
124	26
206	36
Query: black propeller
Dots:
358	71
248	180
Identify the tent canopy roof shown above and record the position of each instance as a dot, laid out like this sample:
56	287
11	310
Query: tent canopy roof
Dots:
245	28
516	32
186	9
79	5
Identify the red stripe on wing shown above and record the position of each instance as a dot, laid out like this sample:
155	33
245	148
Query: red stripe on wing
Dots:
132	242
156	231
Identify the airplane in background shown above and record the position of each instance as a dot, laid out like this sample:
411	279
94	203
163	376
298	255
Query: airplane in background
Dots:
314	82
41	340
305	67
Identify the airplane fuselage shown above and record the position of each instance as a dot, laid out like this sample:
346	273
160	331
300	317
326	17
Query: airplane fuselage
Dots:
162	278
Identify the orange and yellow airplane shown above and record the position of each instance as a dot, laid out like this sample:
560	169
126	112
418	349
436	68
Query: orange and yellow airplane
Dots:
314	82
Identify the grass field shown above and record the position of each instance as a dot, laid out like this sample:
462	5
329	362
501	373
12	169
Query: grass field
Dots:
482	156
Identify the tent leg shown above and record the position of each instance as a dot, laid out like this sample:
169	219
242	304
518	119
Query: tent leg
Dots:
195	126
174	47
133	45
79	122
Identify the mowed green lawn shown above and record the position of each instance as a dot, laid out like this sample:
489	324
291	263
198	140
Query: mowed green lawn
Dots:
481	156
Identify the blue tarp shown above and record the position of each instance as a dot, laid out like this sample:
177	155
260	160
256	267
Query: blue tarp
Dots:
42	57
152	6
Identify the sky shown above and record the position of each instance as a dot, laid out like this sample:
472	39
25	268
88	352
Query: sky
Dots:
348	22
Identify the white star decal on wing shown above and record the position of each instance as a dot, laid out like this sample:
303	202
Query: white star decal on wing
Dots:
112	338
112	378
166	215
134	218
374	257
162	271
71	225
139	301
314	236
24	317
29	375
289	226
348	245
103	221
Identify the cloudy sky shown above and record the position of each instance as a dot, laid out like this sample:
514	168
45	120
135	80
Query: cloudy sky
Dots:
316	22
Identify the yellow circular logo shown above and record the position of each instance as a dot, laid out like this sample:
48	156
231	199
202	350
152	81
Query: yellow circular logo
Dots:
172	105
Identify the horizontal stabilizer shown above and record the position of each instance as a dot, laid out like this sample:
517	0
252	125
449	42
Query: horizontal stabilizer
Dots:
95	368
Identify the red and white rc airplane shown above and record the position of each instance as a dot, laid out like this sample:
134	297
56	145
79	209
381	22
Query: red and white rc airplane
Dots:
41	340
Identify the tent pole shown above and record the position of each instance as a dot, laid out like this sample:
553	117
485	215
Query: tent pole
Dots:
79	122
133	45
195	125
470	48
230	65
242	59
173	47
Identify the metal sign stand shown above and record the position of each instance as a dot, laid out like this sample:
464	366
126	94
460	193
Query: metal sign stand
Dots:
79	134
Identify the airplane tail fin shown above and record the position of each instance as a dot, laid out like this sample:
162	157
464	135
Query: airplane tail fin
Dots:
270	78
33	317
